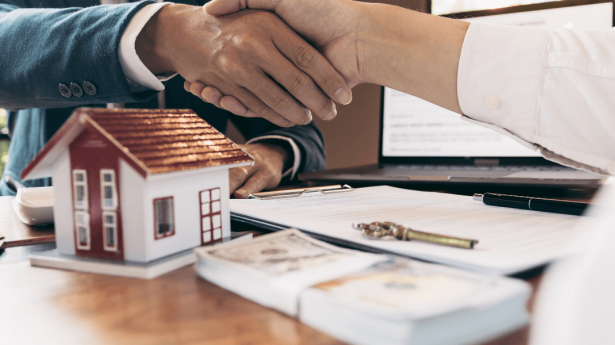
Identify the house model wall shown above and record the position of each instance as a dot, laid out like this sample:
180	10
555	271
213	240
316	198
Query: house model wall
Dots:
137	185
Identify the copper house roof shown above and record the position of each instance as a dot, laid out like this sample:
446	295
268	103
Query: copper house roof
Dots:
156	140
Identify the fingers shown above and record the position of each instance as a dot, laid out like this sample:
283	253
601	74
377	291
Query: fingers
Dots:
221	7
195	88
250	101
212	95
208	94
257	182
310	61
237	177
231	104
277	100
300	85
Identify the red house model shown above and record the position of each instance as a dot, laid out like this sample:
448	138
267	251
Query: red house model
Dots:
137	185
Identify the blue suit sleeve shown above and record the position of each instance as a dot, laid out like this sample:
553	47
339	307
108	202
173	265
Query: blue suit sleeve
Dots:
43	48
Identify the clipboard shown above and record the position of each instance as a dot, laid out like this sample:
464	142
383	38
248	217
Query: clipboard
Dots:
293	193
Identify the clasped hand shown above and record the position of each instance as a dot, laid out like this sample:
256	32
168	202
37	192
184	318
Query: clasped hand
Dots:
331	26
252	56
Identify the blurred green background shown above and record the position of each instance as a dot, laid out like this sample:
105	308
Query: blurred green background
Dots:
4	142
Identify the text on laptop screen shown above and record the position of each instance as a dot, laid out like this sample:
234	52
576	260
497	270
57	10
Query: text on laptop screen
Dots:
413	127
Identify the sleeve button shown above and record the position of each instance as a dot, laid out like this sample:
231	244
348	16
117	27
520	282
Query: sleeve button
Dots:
65	91
492	103
76	89
89	88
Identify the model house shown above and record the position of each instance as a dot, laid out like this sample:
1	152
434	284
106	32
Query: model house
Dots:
137	185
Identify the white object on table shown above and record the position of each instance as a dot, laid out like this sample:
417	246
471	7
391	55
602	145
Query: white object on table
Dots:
34	206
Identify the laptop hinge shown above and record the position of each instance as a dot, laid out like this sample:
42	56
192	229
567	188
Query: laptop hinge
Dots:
486	162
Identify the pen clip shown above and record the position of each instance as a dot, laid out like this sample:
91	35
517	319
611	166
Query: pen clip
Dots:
291	193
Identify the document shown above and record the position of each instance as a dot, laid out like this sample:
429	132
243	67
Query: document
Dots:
510	240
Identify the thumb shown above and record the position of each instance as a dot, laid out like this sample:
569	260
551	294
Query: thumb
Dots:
218	8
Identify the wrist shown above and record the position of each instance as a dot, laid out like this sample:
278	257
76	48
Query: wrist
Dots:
375	39
153	42
280	151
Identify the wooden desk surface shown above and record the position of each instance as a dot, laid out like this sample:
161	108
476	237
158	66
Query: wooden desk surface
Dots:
47	306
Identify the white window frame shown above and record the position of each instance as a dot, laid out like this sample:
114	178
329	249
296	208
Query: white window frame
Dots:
111	184
105	235
83	183
86	224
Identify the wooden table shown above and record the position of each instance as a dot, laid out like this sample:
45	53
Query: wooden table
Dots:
46	306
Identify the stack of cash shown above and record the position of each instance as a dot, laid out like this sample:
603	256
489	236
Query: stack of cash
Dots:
364	298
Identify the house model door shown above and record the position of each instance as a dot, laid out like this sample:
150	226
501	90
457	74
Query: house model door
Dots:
211	219
96	202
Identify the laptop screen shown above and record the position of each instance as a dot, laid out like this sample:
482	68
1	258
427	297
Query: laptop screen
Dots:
412	127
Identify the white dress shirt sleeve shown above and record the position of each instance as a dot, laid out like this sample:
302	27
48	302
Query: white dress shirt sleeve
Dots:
137	74
553	91
296	152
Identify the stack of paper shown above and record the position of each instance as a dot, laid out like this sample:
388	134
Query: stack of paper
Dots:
365	298
510	240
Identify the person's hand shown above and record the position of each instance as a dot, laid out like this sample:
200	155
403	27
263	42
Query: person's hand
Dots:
266	173
331	25
253	56
412	52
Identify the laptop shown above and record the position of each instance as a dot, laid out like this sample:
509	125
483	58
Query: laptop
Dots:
422	143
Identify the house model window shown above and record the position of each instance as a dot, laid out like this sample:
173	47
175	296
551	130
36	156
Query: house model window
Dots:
80	189
211	225
82	222
110	231
164	222
80	206
107	189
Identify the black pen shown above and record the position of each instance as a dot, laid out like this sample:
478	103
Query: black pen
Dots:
534	204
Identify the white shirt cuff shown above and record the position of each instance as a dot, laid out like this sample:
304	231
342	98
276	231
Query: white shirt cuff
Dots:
137	74
296	152
498	76
508	81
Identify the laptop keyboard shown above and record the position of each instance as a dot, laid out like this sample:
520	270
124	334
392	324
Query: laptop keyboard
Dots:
510	168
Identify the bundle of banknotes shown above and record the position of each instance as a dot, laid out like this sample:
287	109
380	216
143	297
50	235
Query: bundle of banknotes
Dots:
364	298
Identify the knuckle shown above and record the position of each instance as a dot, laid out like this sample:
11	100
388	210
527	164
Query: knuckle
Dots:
305	57
301	82
242	42
331	81
281	102
267	113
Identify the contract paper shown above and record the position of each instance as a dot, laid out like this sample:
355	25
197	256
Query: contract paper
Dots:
510	240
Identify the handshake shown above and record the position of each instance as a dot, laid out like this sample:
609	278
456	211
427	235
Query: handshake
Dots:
289	60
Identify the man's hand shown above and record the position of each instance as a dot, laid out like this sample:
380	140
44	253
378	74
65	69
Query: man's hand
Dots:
330	25
252	56
412	52
266	173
